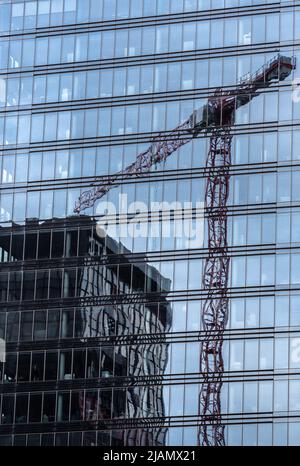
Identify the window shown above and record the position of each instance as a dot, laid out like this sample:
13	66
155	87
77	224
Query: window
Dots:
26	326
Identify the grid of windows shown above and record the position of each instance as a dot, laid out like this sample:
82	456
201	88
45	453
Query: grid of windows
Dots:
105	329
247	434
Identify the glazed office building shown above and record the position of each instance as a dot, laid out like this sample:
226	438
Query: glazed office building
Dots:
144	339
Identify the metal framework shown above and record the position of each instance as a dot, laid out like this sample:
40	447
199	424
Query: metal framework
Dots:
215	280
215	119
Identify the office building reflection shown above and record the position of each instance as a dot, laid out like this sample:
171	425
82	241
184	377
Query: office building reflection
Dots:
102	332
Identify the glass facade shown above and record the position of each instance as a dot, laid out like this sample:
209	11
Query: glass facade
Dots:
105	334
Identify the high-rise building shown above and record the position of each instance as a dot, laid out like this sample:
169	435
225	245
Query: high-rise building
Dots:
127	129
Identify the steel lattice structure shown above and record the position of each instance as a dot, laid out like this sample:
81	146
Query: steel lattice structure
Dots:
215	280
215	119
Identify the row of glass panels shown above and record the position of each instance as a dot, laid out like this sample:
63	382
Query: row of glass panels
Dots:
266	228
30	14
175	37
238	434
179	400
26	128
133	80
260	270
252	354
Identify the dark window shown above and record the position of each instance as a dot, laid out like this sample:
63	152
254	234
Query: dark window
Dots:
138	278
8	406
71	243
42	284
24	367
79	364
69	283
55	283
30	245
89	439
39	331
81	281
84	241
51	366
21	409
33	440
44	244
28	286
49	407
2	325
26	326
3	286
61	439
53	324
107	362
117	438
10	368
153	280
119	403
65	366
75	438
91	405
4	247
92	363
37	366
15	282
17	246
120	361
124	278
75	407
67	323
35	408
12	332
105	404
103	439
19	440
47	440
57	249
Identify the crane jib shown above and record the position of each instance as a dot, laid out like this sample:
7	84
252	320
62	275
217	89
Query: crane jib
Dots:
218	111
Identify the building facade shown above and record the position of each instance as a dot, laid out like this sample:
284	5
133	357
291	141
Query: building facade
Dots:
143	336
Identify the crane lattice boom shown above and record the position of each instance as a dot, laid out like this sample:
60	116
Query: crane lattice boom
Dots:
218	111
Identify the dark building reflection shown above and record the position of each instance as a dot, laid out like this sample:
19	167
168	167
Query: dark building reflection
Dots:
79	319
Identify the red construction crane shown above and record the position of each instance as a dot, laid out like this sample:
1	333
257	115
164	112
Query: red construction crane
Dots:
215	118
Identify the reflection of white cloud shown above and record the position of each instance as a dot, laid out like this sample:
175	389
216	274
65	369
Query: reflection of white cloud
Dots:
2	350
295	350
247	38
296	90
2	90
